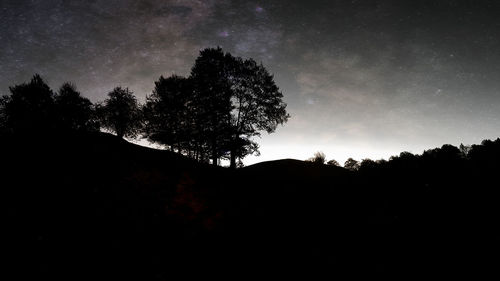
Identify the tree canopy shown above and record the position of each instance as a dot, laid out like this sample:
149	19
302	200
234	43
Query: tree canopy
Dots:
256	105
351	164
30	108
120	113
218	110
318	158
214	113
74	112
166	112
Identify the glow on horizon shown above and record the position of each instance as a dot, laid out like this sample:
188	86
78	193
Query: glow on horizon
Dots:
273	151
304	152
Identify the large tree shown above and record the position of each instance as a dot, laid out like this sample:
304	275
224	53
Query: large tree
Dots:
74	112
256	106
218	110
29	109
211	104
235	99
120	113
167	116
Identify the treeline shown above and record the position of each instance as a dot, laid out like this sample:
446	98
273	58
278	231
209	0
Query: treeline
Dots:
482	155
213	114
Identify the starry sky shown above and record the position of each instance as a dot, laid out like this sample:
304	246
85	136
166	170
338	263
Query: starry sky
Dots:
362	79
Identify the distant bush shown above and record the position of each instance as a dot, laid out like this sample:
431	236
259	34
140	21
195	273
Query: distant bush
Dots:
333	162
367	164
318	158
351	164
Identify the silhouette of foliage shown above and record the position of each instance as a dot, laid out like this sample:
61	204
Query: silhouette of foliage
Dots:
241	147
212	99
30	108
318	158
120	113
333	162
217	111
3	116
167	114
74	112
351	164
465	149
367	164
256	105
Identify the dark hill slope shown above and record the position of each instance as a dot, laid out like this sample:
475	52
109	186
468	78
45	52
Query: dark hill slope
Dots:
97	207
95	204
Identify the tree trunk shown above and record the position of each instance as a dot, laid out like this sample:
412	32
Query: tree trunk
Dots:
214	156
233	159
214	151
233	149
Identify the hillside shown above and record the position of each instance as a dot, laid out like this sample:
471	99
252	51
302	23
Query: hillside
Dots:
94	205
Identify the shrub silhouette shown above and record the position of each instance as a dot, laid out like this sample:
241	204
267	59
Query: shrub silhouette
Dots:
367	164
351	164
318	158
333	162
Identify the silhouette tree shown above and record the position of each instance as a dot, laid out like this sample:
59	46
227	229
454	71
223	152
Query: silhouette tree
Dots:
241	147
29	109
367	164
333	162
318	158
217	111
120	113
234	99
211	102
74	112
3	116
406	162
406	155
464	149
256	105
166	113
351	164
443	156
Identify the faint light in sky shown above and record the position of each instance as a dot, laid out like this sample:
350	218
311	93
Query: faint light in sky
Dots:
224	34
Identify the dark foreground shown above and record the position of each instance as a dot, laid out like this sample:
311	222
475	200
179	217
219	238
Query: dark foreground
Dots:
96	207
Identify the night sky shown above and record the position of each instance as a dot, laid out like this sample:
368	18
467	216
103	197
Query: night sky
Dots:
362	79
